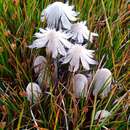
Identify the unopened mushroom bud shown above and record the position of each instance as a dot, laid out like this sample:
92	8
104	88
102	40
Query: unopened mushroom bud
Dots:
80	85
102	82
39	64
33	92
102	114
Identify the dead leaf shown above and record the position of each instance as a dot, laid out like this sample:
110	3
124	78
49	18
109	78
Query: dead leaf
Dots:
128	6
85	109
43	129
16	2
2	125
22	93
13	46
1	49
7	33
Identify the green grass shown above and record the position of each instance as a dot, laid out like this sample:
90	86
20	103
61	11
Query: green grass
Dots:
18	23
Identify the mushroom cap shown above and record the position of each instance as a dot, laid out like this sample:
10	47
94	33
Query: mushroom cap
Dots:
39	63
102	82
33	92
80	85
102	114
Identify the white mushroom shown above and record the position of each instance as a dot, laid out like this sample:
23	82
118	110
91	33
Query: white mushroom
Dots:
102	114
102	82
43	75
77	55
39	64
33	92
59	15
55	41
80	32
80	85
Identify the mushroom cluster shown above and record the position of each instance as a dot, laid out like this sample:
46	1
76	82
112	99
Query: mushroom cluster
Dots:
65	39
